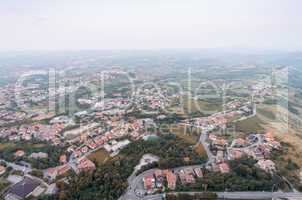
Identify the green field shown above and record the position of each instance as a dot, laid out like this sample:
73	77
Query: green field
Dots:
99	156
6	145
266	113
249	125
189	135
196	107
3	184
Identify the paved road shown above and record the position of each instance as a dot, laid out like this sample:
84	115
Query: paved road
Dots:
135	181
202	140
235	195
24	169
253	195
131	193
154	197
257	195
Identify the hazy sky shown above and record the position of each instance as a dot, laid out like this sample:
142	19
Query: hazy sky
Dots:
149	24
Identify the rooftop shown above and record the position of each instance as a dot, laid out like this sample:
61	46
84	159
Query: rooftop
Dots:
23	188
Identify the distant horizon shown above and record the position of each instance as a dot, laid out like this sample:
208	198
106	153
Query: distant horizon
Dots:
141	24
227	49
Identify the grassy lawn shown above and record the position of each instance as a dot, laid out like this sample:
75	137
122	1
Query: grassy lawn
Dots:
266	113
191	136
3	184
230	136
199	149
249	125
39	145
100	156
6	145
200	105
196	108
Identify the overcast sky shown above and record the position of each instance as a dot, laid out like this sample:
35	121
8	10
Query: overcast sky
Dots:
149	24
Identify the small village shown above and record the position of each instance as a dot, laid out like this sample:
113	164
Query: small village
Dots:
106	126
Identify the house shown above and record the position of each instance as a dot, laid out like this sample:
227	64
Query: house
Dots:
63	159
159	176
81	114
149	182
63	169
189	171
52	173
22	189
239	142
77	153
218	143
92	145
38	155
275	145
265	149
19	153
61	120
269	137
266	165
220	156
198	172
2	169
254	152
224	168
99	140
84	149
212	137
115	146
186	177
84	164
161	117
234	154
171	179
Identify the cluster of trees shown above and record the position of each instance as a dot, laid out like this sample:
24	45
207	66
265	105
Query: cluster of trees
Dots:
108	181
3	184
52	160
287	167
245	176
53	152
171	150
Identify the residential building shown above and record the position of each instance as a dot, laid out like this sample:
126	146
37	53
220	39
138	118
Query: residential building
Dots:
239	142
2	169
186	177
198	172
149	182
224	168
38	155
234	154
171	179
84	164
266	165
19	153
22	189
63	159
